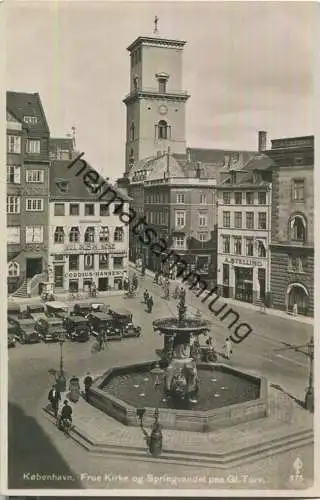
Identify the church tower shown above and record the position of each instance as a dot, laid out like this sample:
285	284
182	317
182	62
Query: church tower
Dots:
156	102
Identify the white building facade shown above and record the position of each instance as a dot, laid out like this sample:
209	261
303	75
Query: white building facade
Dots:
87	243
244	232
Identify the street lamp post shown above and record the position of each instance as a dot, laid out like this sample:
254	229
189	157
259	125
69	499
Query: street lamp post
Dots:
61	379
309	398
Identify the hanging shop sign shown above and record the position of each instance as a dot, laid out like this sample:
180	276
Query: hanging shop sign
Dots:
90	248
92	274
243	261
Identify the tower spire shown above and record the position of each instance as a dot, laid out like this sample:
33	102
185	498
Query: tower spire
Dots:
155	30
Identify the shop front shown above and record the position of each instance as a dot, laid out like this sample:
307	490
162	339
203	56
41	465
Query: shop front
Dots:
243	278
104	280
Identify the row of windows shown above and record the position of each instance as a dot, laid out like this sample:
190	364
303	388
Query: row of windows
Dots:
240	198
157	217
157	198
180	240
89	209
34	234
249	220
180	219
236	245
90	234
32	176
32	146
297	263
32	204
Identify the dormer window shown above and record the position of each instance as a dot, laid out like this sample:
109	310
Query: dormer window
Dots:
63	185
31	120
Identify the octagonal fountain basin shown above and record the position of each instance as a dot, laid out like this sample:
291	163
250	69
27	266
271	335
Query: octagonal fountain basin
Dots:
227	396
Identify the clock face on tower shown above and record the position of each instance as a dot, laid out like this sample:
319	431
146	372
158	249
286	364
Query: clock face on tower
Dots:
163	110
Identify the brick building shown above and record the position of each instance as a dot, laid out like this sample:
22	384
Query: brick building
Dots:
292	239
244	230
87	241
27	191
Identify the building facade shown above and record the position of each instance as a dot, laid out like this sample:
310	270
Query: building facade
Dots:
27	191
292	239
244	232
87	240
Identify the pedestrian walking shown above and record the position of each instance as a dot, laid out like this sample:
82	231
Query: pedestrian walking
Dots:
150	304
54	397
101	336
87	384
146	296
176	292
228	348
135	281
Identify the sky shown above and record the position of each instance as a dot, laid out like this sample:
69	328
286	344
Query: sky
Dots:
247	65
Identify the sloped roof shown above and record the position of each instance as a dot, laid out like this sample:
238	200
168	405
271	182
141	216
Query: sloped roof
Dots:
259	162
218	156
64	143
60	174
22	104
160	168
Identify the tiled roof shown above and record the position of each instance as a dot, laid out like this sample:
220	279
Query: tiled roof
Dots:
66	185
218	156
259	162
26	104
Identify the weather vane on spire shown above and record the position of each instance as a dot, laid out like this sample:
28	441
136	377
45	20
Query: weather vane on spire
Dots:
156	20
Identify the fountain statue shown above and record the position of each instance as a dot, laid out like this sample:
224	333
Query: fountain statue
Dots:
181	378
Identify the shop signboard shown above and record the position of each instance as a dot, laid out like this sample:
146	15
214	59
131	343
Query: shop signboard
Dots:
89	248
243	261
92	274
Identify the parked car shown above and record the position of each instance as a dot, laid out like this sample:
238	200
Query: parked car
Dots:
27	332
122	320
82	309
77	328
35	309
57	309
51	329
102	322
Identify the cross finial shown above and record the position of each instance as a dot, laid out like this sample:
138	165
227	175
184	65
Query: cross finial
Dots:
156	20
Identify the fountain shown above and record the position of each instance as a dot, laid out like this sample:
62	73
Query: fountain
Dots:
185	394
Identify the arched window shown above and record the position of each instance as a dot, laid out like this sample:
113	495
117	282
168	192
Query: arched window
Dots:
89	235
298	228
104	234
74	235
13	269
59	235
118	234
261	248
132	132
162	129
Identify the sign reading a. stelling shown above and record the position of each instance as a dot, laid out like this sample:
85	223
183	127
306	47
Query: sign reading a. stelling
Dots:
244	261
93	274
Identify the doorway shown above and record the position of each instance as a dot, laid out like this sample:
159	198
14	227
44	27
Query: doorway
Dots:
58	276
33	267
244	284
103	284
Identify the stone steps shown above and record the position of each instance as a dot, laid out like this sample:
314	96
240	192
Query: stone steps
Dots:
284	442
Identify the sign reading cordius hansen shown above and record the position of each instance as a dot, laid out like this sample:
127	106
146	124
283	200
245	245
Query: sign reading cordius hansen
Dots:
93	274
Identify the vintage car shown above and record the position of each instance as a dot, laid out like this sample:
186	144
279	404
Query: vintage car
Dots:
82	309
77	328
35	309
57	309
103	323
13	310
122	320
99	307
27	332
51	329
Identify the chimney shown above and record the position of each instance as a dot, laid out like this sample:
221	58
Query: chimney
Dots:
262	141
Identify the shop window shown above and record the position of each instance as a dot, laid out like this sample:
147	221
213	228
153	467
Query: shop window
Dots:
117	262
74	235
89	261
13	269
59	235
73	262
103	261
298	228
89	235
104	234
73	286
118	234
